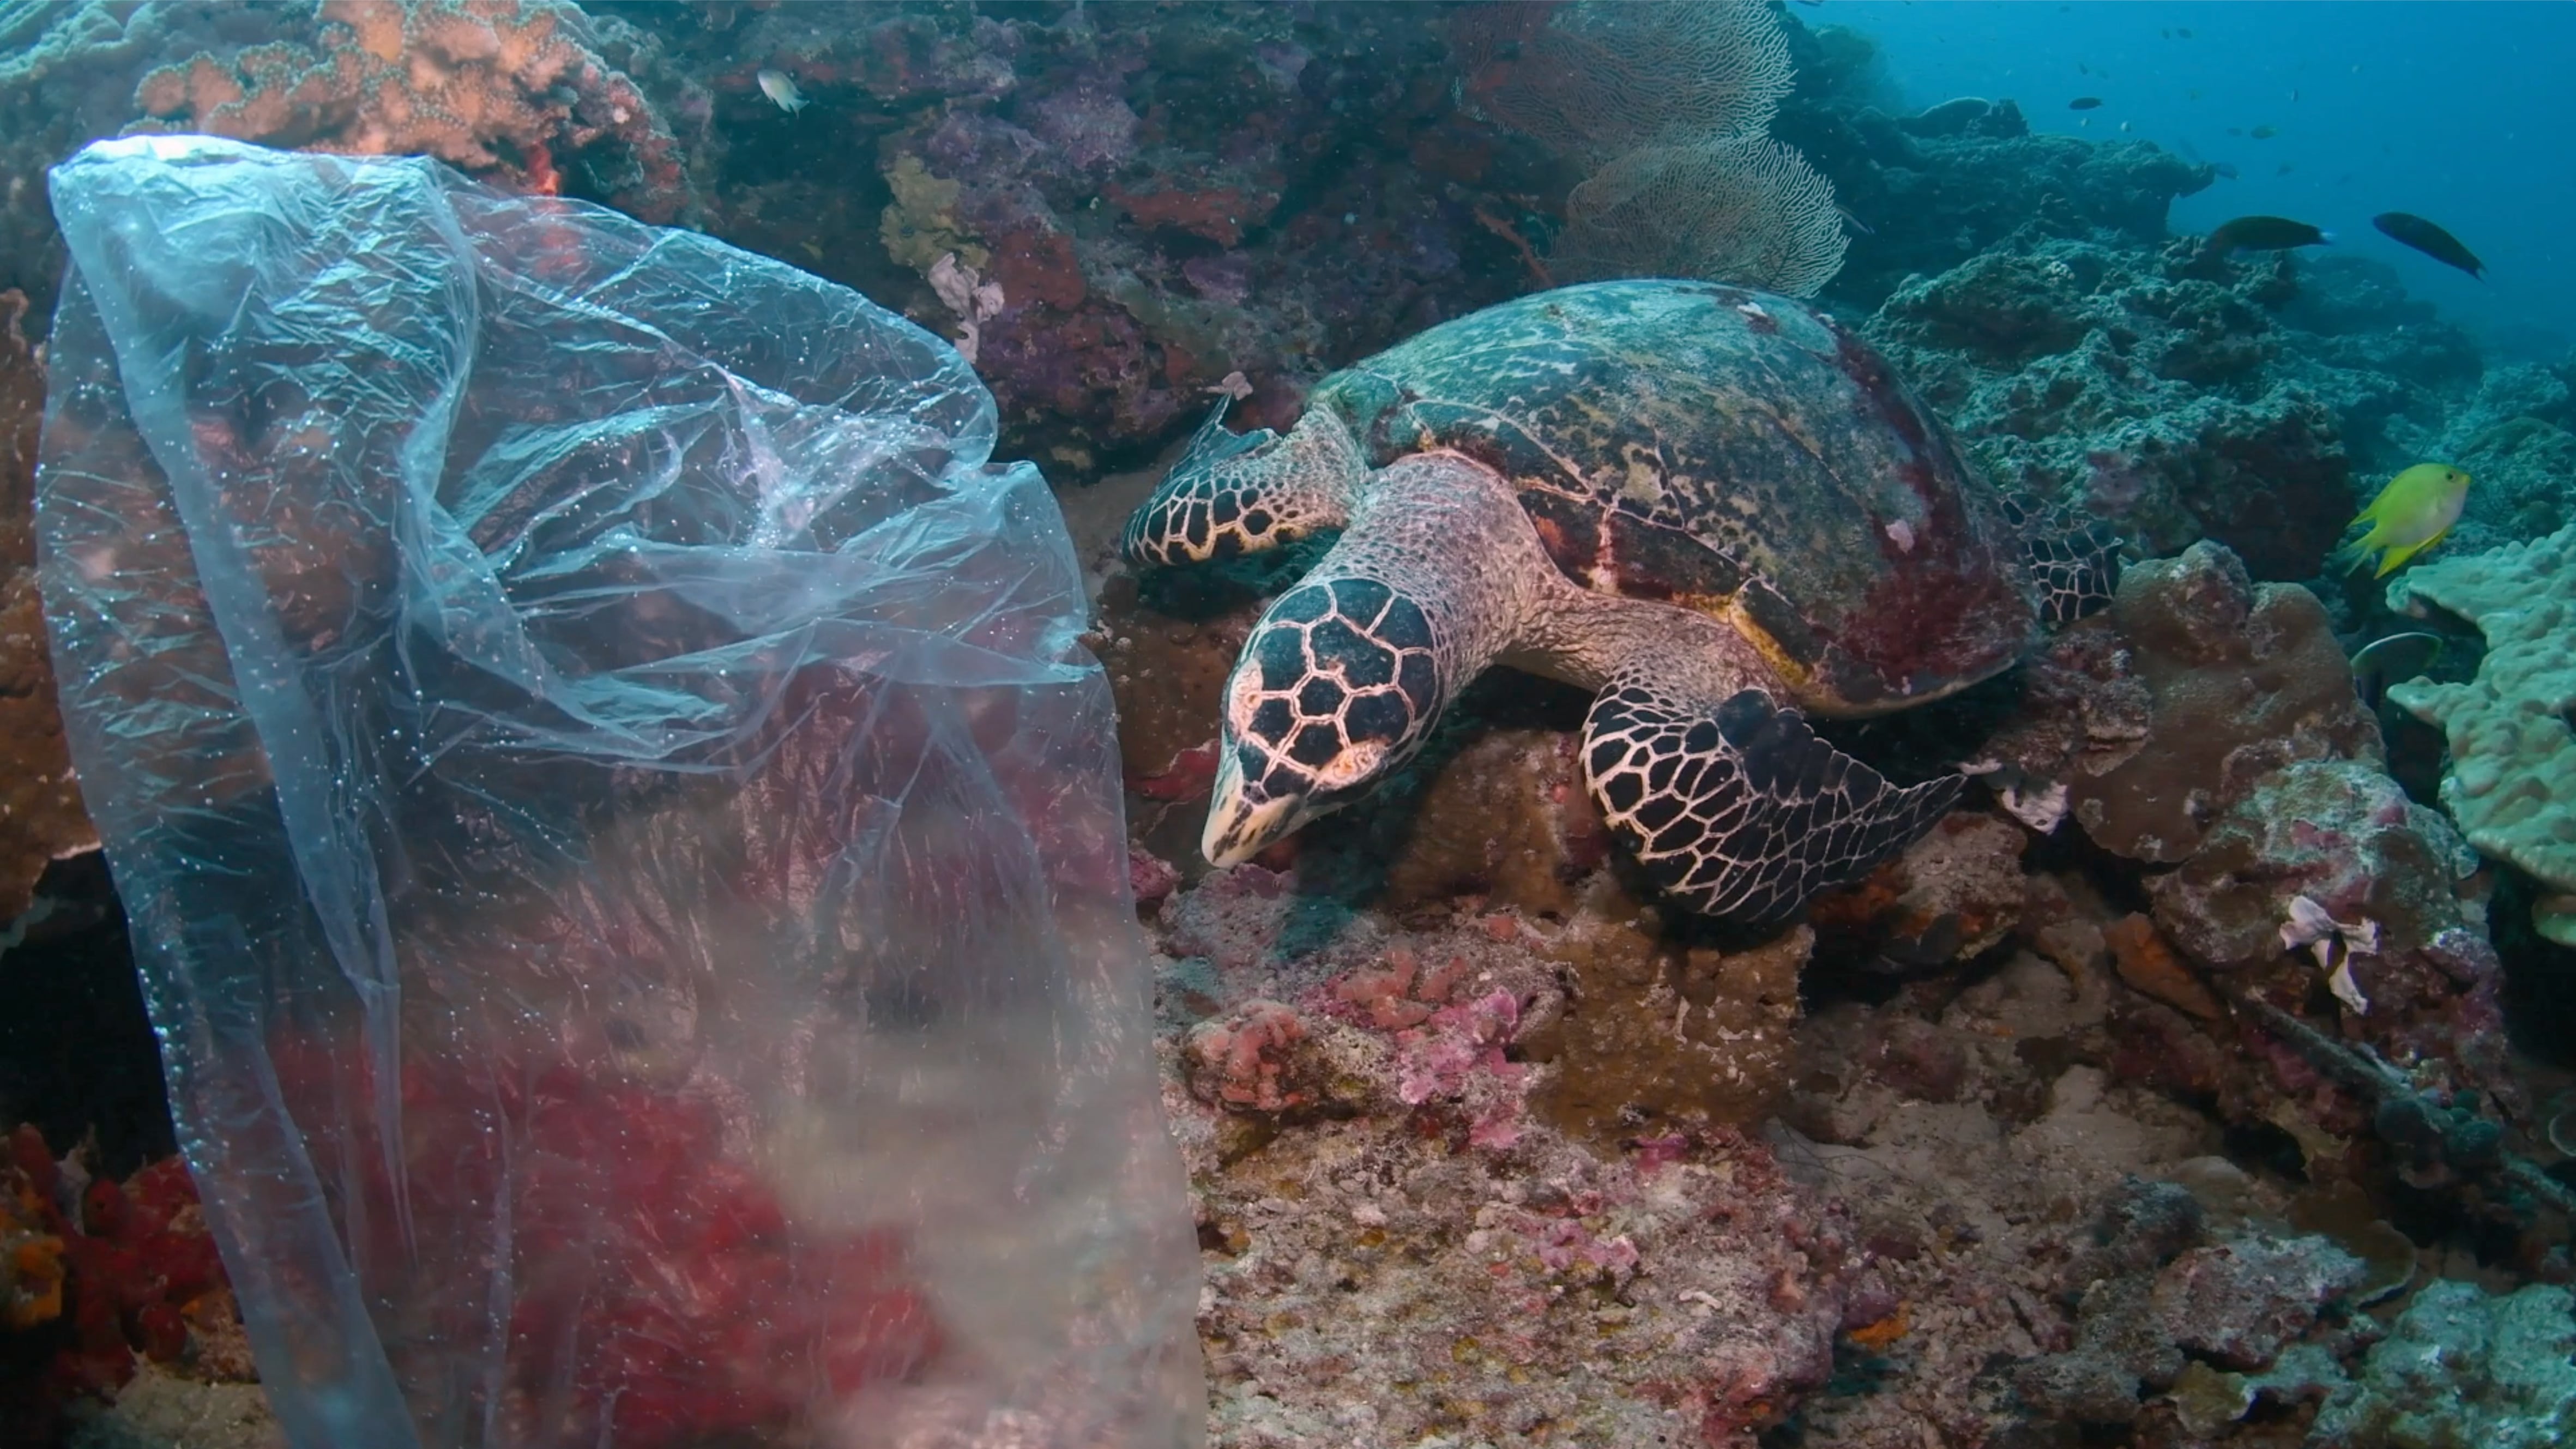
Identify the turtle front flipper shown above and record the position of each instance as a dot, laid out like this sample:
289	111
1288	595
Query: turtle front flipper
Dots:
1741	811
2074	563
1237	493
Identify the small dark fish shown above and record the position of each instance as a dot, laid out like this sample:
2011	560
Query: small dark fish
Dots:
1854	222
2431	240
2264	133
2226	169
2085	103
2390	659
2265	234
2286	168
2082	69
2236	130
2181	34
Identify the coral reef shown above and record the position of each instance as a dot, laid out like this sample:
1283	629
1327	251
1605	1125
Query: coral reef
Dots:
1678	1286
1952	896
2105	375
2512	730
2040	1135
1742	208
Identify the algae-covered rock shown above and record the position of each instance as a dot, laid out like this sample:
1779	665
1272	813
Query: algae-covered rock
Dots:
2463	1368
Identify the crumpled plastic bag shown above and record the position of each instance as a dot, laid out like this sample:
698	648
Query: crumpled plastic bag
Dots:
622	841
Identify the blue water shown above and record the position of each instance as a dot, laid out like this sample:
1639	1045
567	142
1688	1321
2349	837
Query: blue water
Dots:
2460	112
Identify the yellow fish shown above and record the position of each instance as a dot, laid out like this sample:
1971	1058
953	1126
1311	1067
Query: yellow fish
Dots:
2409	516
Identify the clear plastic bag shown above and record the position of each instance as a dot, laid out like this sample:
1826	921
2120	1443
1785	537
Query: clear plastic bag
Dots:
622	842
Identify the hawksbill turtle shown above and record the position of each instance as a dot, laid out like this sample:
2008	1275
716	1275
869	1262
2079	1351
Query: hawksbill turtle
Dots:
1714	507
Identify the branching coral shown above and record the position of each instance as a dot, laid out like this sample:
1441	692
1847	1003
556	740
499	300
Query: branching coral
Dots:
487	85
2512	730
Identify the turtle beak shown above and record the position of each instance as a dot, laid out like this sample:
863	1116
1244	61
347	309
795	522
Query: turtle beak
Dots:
1242	819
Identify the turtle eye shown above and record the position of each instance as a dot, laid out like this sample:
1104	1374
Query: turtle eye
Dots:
1353	763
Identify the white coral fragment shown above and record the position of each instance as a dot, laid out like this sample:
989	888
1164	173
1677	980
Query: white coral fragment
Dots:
974	300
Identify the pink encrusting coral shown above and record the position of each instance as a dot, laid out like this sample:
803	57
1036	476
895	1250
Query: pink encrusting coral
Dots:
496	87
655	1287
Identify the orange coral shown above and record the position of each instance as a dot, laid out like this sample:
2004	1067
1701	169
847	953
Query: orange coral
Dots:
2150	966
1876	1337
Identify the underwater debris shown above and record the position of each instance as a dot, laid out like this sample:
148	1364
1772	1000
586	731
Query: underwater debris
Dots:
2414	231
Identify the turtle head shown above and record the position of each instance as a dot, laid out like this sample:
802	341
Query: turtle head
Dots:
1338	686
1237	493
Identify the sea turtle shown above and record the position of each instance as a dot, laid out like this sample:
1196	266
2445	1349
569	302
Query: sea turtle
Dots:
1713	506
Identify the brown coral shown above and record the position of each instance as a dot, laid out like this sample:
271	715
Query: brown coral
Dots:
40	806
2245	679
500	87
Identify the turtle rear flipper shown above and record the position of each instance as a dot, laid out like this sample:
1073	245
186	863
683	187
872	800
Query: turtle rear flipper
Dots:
1741	811
1237	493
